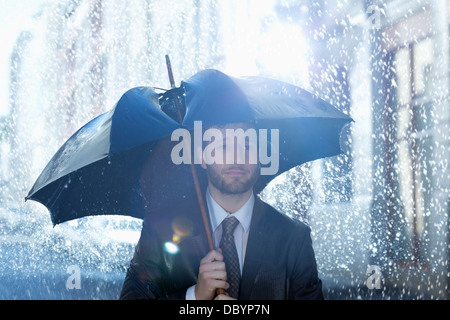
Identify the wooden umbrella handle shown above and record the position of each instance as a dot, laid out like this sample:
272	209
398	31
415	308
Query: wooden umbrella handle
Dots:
198	191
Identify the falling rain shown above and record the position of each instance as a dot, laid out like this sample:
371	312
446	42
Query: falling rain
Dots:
379	212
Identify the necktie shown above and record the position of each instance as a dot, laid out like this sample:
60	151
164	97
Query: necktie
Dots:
230	256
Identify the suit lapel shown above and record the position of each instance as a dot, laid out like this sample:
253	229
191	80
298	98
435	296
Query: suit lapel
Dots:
255	250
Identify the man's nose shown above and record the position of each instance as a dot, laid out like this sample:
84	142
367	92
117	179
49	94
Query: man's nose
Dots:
236	154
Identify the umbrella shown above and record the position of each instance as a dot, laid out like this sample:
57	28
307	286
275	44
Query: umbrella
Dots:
120	162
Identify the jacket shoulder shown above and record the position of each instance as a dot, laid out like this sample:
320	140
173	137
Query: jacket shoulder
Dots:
279	220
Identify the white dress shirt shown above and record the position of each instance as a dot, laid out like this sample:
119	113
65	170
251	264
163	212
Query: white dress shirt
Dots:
216	215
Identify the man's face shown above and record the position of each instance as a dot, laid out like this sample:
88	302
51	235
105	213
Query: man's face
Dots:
237	173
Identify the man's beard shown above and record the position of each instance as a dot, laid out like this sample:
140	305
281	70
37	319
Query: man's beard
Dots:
235	186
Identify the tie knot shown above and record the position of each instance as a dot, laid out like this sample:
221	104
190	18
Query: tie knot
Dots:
229	224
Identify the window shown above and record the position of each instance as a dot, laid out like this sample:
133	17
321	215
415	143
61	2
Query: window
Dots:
409	174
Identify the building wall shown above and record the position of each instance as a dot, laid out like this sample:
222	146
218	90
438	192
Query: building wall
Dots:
373	228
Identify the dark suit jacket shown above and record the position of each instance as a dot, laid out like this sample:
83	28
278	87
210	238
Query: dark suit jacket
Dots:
279	262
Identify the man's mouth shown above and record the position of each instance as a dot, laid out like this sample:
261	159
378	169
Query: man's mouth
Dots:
235	172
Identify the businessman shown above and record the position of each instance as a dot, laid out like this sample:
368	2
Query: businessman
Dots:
261	253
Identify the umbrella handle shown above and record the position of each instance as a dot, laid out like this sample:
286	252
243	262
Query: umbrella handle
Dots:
204	216
194	172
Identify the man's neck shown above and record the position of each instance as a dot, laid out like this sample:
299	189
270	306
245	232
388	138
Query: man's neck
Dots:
229	202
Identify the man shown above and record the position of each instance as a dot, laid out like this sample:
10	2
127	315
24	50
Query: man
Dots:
261	253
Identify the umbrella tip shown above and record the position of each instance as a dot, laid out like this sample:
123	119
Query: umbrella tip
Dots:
169	70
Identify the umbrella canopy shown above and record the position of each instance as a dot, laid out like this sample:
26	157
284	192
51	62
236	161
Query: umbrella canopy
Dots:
120	162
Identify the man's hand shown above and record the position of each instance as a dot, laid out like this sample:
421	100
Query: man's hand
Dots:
211	276
224	297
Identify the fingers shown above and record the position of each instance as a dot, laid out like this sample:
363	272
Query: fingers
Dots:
211	285
212	266
212	275
206	286
213	255
224	297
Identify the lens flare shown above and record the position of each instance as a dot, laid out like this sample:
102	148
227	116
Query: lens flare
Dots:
182	227
171	247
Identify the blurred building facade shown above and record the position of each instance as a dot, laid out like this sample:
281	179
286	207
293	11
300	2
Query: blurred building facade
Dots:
410	205
384	202
387	63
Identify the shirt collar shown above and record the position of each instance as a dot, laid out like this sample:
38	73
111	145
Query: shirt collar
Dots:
217	214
